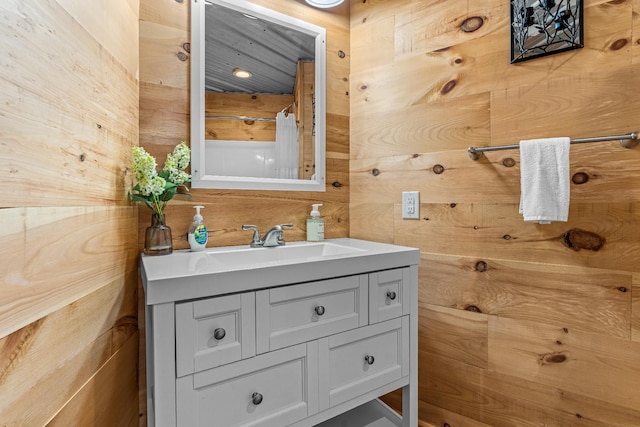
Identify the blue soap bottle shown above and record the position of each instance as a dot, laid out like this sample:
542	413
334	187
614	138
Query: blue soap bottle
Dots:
198	235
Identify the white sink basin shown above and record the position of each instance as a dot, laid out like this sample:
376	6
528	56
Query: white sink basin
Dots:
291	252
186	275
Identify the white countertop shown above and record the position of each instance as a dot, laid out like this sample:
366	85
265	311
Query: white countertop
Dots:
185	275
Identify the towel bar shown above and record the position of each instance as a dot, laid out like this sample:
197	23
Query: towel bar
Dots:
476	153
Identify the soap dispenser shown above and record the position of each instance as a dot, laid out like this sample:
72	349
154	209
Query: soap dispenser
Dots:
315	225
198	235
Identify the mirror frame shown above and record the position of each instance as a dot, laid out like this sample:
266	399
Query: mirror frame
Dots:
199	178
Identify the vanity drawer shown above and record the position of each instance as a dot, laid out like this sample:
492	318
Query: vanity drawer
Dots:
294	314
273	389
359	361
214	331
387	294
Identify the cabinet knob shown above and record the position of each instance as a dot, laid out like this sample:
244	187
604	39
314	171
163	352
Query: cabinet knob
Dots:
391	295
256	398
369	359
319	310
219	333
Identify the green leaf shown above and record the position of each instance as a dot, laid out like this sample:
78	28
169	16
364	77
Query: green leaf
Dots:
139	198
168	194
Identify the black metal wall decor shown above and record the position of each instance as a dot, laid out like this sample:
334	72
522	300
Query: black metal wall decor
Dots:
543	27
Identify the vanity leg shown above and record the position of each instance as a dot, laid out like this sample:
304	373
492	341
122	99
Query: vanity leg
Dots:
161	373
410	392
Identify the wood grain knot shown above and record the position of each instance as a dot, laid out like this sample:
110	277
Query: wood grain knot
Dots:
341	54
99	125
578	416
458	61
446	425
471	24
622	289
415	155
473	308
254	97
363	87
481	266
182	56
83	157
508	162
375	172
453	205
336	184
619	44
178	1
580	178
187	47
438	169
577	239
565	330
554	358
249	122
506	237
448	87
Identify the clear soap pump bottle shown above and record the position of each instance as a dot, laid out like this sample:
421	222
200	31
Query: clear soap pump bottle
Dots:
198	235
315	225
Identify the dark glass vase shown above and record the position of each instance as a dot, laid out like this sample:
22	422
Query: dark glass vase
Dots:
157	238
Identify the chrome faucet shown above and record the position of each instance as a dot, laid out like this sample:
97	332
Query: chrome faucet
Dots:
273	237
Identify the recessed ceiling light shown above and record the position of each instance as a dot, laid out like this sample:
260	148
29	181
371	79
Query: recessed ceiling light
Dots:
324	4
241	74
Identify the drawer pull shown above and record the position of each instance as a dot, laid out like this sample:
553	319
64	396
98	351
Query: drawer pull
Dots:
391	295
219	333
369	359
256	398
319	310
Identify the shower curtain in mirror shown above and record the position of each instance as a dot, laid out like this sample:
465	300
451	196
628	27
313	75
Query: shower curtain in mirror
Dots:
286	146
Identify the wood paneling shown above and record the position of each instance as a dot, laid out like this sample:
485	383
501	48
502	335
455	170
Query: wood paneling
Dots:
518	327
68	120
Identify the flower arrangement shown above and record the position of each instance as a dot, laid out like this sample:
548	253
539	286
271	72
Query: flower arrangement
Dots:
155	189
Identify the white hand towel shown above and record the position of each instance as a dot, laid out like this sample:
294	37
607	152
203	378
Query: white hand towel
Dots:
544	179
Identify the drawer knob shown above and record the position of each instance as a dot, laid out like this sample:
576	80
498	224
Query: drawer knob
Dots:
256	398
219	333
369	359
319	310
391	295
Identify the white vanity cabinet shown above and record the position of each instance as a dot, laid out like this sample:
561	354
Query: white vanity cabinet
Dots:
300	353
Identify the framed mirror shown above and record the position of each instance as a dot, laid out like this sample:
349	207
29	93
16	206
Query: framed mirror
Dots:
543	27
267	131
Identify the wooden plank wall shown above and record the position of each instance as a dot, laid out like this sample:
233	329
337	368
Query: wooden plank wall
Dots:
517	328
164	122
68	235
248	105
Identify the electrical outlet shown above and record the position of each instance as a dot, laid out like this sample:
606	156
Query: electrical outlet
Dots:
410	204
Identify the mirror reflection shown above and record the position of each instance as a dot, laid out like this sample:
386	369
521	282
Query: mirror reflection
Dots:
262	96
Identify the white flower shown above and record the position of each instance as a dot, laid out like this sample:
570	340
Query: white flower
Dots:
156	189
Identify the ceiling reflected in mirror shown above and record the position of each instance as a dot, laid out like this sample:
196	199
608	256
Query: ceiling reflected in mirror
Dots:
267	50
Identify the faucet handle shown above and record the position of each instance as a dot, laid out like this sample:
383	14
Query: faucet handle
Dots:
256	241
286	226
